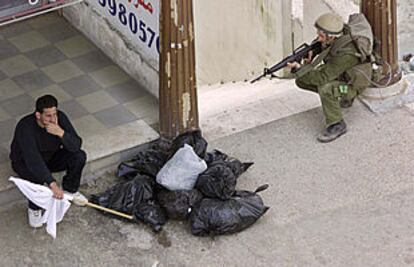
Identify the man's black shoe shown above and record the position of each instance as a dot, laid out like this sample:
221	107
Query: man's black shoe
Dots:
346	103
332	132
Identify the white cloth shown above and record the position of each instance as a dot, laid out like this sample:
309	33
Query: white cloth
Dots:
42	196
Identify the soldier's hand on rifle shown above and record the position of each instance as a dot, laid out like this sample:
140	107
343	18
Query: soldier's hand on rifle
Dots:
293	65
308	59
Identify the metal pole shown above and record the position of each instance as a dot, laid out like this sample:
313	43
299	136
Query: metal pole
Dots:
177	91
382	15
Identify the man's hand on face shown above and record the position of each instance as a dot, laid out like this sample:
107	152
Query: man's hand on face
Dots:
57	192
54	129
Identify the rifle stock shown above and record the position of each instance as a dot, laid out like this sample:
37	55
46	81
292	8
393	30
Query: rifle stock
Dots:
297	55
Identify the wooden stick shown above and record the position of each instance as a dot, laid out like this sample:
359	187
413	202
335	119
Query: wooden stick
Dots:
130	217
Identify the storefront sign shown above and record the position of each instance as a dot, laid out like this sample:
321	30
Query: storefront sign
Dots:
33	2
137	21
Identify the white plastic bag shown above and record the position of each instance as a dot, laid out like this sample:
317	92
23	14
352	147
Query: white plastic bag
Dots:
182	170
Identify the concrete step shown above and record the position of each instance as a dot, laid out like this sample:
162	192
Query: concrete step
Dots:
104	151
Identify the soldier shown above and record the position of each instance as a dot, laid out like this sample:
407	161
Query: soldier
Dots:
336	80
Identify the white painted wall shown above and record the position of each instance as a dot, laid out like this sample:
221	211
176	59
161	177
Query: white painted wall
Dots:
136	21
297	22
95	23
236	39
405	27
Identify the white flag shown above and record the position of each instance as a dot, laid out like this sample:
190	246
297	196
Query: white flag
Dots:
42	196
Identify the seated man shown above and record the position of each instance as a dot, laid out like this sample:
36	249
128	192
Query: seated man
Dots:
45	142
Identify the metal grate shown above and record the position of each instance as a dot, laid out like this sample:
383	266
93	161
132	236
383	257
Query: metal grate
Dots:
12	7
17	10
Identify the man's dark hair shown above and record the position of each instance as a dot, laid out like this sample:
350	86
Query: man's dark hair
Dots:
46	101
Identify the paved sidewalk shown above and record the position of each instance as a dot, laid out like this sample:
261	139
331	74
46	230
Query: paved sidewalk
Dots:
234	107
46	55
346	203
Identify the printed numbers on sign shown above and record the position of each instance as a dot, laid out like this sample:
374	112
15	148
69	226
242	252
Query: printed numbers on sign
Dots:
143	36
137	27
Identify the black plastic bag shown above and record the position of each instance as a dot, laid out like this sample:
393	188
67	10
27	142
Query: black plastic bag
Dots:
218	181
216	156
126	195
178	204
192	138
217	217
127	169
147	162
134	197
152	214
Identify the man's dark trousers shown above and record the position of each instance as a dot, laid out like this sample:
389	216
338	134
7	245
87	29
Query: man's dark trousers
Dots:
63	160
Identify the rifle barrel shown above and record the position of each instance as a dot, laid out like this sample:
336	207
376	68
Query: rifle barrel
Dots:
258	78
297	55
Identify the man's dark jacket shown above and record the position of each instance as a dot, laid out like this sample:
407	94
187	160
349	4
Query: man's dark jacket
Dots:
33	147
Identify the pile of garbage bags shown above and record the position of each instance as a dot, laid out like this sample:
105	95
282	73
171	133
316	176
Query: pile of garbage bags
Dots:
180	180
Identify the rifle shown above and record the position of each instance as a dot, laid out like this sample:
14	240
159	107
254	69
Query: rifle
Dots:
297	56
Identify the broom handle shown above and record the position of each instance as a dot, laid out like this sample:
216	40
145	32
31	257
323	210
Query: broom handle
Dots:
130	217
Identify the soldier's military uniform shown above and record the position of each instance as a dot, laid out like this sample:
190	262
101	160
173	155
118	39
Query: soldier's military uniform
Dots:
337	81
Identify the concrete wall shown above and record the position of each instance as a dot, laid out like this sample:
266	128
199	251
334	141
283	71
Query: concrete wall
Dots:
91	21
405	26
297	22
235	39
297	32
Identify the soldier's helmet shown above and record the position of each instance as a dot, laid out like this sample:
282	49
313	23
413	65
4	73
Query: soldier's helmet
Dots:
330	23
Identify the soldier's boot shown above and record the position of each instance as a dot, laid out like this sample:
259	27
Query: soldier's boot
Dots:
346	103
332	132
